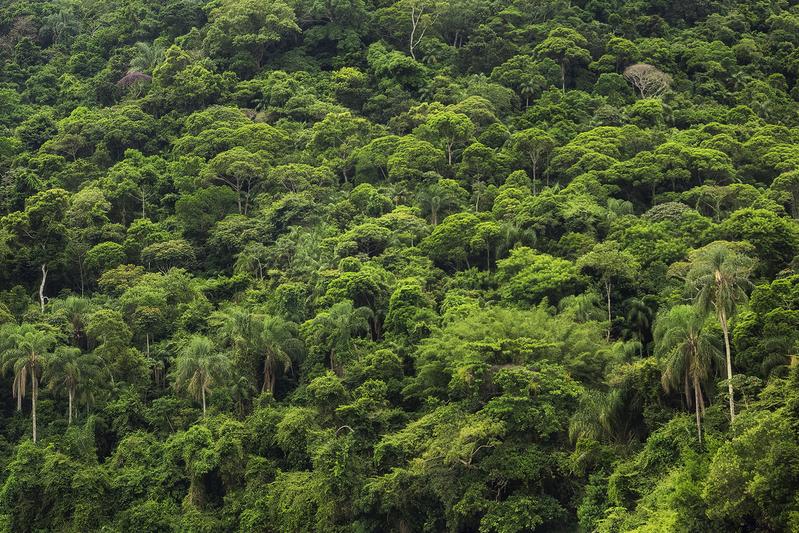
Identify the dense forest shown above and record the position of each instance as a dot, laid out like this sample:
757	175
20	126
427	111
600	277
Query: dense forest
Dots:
412	266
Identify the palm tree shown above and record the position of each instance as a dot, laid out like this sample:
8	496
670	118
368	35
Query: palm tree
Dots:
25	350
720	277
639	319
689	355
76	309
242	392
605	416
199	368
258	338
337	325
73	371
276	341
60	25
148	56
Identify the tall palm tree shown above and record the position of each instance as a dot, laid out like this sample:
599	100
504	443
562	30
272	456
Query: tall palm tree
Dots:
148	56
720	277
200	368
76	309
276	341
259	340
689	353
639	319
337	325
72	371
60	25
25	350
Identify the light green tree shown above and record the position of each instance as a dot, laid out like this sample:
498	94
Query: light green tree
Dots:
25	351
200	368
719	277
689	355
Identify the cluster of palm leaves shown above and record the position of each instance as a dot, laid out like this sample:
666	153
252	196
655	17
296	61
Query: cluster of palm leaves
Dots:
718	279
27	352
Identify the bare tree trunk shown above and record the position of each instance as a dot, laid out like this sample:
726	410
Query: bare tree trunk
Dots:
202	390
41	286
34	393
415	18
697	401
725	328
610	318
71	394
333	359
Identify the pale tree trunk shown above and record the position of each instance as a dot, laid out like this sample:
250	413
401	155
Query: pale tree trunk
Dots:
697	408
725	329
71	394
269	378
610	318
202	390
41	286
34	393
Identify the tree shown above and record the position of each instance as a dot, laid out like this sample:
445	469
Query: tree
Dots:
259	340
689	355
567	47
38	233
422	18
239	29
200	368
608	262
533	144
25	350
334	328
719	277
241	170
76	310
649	81
450	128
526	277
277	343
442	198
788	183
74	372
148	56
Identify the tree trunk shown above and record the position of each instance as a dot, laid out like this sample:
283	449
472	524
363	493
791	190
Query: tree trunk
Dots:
41	286
563	76
269	378
725	329
610	318
34	393
697	401
202	391
71	394
333	360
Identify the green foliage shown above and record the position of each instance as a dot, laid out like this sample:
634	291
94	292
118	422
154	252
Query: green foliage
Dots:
425	265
